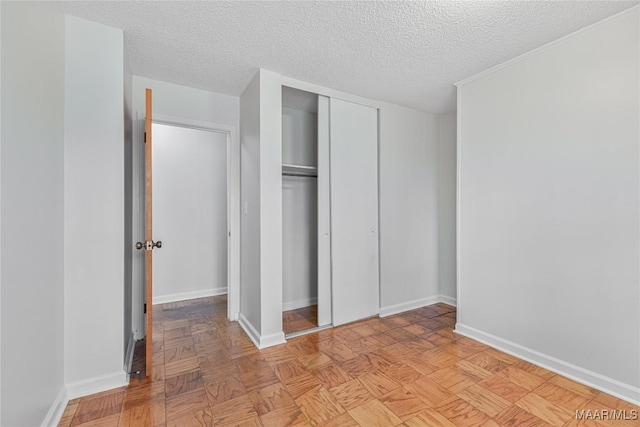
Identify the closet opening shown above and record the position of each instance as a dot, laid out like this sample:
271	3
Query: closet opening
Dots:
299	211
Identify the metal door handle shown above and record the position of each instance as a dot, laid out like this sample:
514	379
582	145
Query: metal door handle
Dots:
149	245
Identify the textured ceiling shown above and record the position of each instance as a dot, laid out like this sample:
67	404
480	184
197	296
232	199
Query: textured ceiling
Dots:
408	53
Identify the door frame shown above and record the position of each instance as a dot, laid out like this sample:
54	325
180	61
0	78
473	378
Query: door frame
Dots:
233	211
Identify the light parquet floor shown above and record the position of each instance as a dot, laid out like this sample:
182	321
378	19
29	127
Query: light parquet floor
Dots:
405	370
300	319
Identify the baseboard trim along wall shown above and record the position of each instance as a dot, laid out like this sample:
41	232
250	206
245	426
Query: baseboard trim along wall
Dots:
271	340
97	384
258	340
249	329
448	300
164	299
418	303
294	305
576	373
57	408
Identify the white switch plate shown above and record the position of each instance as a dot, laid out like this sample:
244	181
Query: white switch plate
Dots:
245	208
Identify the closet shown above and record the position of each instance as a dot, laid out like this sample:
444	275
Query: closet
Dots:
299	210
329	211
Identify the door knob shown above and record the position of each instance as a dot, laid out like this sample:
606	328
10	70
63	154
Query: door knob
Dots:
149	245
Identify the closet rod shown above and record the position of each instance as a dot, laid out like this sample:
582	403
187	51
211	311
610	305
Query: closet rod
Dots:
299	175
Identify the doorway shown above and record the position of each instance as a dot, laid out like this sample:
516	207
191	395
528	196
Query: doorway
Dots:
190	213
220	250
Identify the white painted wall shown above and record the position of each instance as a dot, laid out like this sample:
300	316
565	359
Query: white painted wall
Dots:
0	210
250	291
261	261
32	213
447	206
128	211
299	211
187	103
94	206
299	242
299	137
271	207
189	212
549	205
408	180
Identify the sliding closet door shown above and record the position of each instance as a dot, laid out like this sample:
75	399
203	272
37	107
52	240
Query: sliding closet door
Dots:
324	215
354	211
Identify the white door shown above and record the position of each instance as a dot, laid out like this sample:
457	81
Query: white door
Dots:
354	211
324	215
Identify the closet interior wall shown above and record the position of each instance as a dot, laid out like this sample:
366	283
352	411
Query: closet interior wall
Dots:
299	199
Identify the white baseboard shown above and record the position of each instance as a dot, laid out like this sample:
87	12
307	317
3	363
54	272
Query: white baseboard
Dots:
57	408
294	305
418	303
271	340
448	300
96	384
128	357
163	299
258	340
249	329
592	379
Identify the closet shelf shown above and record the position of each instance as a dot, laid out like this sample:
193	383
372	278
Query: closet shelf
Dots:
298	170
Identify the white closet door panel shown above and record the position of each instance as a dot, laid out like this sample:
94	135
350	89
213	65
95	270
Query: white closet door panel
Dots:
354	211
324	215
